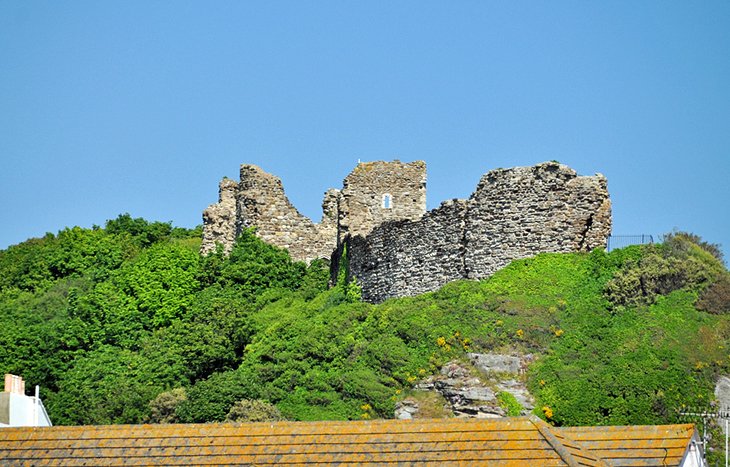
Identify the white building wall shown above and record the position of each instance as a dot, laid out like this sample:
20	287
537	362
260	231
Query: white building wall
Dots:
25	411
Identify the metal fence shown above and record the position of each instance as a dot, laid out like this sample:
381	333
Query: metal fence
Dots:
620	241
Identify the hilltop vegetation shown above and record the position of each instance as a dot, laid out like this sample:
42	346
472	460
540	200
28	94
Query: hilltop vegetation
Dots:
127	324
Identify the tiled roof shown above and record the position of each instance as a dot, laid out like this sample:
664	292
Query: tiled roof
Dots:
509	441
634	445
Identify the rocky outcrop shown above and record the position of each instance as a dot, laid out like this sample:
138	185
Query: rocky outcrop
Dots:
472	389
497	363
722	394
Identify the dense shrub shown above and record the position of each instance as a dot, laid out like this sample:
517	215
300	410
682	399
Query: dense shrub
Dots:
163	407
253	411
678	243
682	261
716	298
129	324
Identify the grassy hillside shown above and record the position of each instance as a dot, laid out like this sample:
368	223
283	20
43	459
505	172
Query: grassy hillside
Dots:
126	324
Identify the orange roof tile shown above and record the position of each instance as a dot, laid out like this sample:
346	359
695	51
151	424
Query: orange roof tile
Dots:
509	441
635	445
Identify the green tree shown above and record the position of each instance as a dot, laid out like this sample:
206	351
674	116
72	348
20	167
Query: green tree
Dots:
107	386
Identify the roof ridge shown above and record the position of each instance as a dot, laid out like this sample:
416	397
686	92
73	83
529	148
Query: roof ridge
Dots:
561	449
664	426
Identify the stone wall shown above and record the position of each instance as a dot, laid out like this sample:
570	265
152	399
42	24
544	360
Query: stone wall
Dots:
520	212
262	203
408	257
219	220
514	213
398	249
258	200
377	192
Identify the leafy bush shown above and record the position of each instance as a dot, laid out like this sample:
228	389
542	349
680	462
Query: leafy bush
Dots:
510	404
253	411
679	244
254	267
211	399
106	386
682	261
116	323
628	368
163	407
640	283
716	298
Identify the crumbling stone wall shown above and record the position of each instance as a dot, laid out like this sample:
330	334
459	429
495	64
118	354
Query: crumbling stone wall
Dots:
258	200
520	212
262	203
219	220
514	213
402	258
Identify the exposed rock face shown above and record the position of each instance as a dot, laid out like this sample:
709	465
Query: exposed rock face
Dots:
473	394
405	410
398	249
514	213
496	363
722	392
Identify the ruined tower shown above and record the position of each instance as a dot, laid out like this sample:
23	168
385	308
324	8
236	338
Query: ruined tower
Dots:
219	220
374	192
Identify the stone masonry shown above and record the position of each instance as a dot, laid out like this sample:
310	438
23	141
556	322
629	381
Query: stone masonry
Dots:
374	192
219	220
395	247
258	200
514	213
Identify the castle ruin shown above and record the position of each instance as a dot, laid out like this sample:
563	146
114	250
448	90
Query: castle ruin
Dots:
395	247
373	193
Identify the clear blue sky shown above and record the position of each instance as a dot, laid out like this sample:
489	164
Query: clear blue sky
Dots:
142	106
